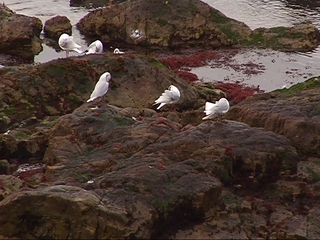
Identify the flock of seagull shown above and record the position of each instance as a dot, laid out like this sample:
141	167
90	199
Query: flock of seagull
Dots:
168	97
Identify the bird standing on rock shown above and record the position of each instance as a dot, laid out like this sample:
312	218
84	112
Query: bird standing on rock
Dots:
170	96
95	47
213	110
67	44
101	87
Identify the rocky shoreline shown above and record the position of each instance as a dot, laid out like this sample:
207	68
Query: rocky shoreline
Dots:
125	170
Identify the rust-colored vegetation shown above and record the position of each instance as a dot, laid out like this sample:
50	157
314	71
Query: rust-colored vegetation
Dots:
236	92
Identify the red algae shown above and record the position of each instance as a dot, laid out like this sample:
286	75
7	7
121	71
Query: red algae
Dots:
236	92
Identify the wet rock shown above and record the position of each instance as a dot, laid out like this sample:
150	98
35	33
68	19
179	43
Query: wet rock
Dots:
24	41
165	24
293	113
301	37
57	25
189	24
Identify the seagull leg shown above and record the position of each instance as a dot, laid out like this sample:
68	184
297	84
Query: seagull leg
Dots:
67	53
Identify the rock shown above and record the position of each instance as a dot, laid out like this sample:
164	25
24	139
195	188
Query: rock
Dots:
57	25
24	41
60	86
189	24
143	177
4	166
8	185
293	113
79	134
94	4
301	37
164	23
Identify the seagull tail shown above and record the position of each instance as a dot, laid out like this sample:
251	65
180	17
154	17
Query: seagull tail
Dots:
91	99
78	50
161	105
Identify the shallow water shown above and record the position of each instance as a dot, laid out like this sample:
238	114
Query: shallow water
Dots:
279	68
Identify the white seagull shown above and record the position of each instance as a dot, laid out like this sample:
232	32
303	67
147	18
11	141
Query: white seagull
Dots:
95	47
101	87
213	110
117	51
170	96
67	44
136	34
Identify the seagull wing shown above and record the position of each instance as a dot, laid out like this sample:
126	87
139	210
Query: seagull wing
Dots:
100	89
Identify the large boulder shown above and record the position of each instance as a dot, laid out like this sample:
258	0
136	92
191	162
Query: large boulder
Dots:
301	37
19	35
164	23
189	23
57	25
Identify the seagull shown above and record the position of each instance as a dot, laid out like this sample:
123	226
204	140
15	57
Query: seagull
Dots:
135	34
170	96
95	47
213	110
67	44
101	87
117	51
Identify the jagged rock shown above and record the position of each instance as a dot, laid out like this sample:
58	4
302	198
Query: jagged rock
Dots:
24	41
143	177
57	25
292	112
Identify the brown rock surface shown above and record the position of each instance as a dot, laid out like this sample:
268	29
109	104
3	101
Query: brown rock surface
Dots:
57	25
19	34
164	23
293	113
143	178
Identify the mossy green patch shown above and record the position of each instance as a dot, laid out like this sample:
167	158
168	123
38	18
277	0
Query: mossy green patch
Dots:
192	7
161	22
83	177
281	31
315	175
315	112
73	98
9	111
88	152
157	63
163	204
312	83
217	17
121	121
21	135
